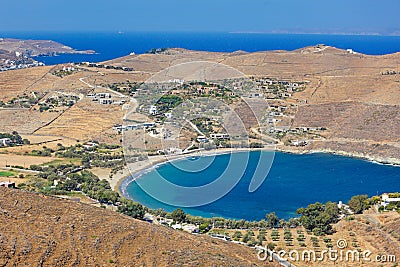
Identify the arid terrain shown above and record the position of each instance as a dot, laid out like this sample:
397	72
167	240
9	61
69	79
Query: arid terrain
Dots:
354	96
34	48
44	231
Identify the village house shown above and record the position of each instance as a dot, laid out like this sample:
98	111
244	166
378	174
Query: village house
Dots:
220	136
149	125
386	200
5	142
190	228
106	101
202	139
104	95
280	129
120	128
299	143
256	95
7	184
153	110
89	145
68	68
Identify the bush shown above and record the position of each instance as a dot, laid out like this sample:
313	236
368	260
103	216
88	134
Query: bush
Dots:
132	209
359	203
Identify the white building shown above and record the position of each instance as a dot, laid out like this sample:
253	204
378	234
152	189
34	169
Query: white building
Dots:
202	139
386	199
299	142
7	184
153	110
220	136
190	228
103	95
149	125
106	101
89	145
5	142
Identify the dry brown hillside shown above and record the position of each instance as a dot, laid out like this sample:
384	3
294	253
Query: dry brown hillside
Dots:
43	231
346	93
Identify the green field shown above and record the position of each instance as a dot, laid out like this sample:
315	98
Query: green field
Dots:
7	173
57	162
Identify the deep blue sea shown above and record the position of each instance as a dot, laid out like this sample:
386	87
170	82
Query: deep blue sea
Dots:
112	45
294	181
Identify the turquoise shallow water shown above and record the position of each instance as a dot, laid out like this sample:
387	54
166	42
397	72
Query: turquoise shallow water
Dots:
292	182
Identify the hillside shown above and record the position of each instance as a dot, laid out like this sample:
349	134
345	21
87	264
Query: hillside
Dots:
32	48
43	231
18	53
354	96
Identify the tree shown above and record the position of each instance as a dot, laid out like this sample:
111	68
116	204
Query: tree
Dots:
246	238
204	227
282	223
261	237
375	200
237	235
319	217
358	203
68	185
271	246
132	209
272	219
293	222
332	209
251	242
178	215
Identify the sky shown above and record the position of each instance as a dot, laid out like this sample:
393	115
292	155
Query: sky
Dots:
318	16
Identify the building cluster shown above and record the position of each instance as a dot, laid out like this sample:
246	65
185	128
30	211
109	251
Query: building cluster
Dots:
106	99
278	118
278	89
187	227
58	99
122	128
68	68
296	130
8	64
214	136
104	66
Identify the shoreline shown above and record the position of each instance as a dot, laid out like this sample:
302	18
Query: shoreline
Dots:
373	159
156	161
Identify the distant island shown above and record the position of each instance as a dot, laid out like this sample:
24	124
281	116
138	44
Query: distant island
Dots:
18	53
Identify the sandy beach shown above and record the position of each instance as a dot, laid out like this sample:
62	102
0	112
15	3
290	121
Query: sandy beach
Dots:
136	169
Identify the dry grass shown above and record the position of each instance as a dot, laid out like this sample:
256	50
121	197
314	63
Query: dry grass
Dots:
84	121
338	80
52	232
21	160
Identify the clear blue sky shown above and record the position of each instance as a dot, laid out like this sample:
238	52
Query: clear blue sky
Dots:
201	15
